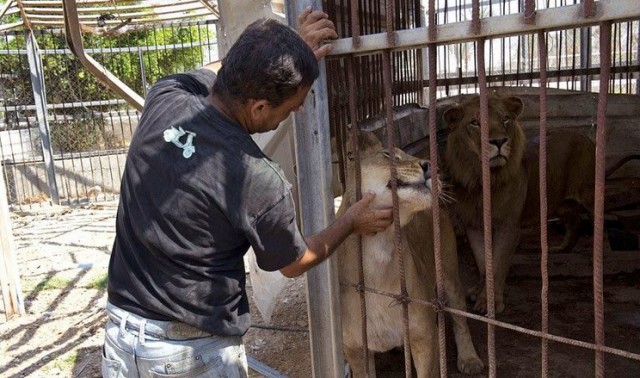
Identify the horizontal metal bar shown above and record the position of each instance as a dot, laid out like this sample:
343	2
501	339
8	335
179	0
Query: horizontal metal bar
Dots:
259	367
545	19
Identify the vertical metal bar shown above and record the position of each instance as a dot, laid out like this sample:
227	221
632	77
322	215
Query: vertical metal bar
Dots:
389	15
598	225
313	157
486	206
391	144
353	98
486	186
435	194
40	98
475	16
355	24
589	8
638	54
143	72
544	246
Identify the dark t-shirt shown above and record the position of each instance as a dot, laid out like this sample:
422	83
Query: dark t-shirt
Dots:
196	193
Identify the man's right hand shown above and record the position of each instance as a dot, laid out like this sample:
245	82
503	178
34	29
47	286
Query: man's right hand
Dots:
367	221
315	27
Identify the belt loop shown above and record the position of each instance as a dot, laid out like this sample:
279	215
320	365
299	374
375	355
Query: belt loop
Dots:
123	324
142	325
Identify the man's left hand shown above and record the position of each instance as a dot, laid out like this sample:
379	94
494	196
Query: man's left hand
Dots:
315	27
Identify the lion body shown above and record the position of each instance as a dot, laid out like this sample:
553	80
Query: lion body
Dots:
514	179
385	326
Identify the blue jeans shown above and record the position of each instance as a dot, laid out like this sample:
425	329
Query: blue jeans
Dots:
136	347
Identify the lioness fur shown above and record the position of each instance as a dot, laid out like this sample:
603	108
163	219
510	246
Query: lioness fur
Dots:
380	266
514	178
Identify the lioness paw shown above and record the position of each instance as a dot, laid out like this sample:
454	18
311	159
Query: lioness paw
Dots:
470	365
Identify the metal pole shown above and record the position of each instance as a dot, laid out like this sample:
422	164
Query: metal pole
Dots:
40	98
313	157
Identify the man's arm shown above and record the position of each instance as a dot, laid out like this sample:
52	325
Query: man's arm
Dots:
213	66
358	219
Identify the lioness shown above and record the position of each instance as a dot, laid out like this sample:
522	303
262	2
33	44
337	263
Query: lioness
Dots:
380	266
514	182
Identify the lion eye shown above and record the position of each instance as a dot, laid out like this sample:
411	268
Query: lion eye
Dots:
506	119
475	123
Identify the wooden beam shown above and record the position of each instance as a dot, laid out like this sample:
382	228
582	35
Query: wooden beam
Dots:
9	276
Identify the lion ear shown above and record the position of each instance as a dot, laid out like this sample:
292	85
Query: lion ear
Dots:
452	116
514	105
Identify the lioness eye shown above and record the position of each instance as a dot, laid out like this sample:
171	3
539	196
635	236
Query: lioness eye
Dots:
386	154
506	119
475	123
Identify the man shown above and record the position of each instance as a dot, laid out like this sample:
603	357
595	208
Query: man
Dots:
197	192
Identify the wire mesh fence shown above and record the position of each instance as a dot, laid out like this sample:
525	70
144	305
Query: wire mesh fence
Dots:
64	135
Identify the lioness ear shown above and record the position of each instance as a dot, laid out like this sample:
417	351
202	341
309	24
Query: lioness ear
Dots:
514	105
452	116
369	141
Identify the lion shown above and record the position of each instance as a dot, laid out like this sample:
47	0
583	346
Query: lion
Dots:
514	178
380	267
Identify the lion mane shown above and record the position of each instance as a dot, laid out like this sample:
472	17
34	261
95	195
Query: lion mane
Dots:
514	180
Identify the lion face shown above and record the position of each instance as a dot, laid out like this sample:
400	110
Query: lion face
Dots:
506	138
413	181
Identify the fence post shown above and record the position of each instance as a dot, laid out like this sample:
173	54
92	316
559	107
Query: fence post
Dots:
313	157
9	277
40	98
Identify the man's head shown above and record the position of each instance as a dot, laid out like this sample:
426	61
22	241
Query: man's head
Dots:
269	61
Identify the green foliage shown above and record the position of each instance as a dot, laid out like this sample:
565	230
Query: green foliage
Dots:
76	135
172	49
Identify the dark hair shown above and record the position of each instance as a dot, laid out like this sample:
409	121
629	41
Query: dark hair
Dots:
269	61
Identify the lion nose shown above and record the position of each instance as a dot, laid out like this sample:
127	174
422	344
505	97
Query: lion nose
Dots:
499	142
426	168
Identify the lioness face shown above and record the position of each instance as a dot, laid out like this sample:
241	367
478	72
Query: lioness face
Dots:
414	182
464	122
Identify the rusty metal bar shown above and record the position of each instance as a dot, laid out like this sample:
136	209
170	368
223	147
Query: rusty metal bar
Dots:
475	17
435	192
391	34
391	144
544	246
589	8
486	207
529	12
509	25
598	213
353	138
355	23
74	40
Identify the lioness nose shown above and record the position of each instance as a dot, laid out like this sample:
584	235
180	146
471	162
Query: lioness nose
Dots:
426	168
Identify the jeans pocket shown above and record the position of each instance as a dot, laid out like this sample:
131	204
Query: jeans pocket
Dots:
110	368
192	367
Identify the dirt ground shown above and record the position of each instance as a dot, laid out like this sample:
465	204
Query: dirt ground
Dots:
63	254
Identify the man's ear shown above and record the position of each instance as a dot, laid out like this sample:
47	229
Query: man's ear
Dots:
259	109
